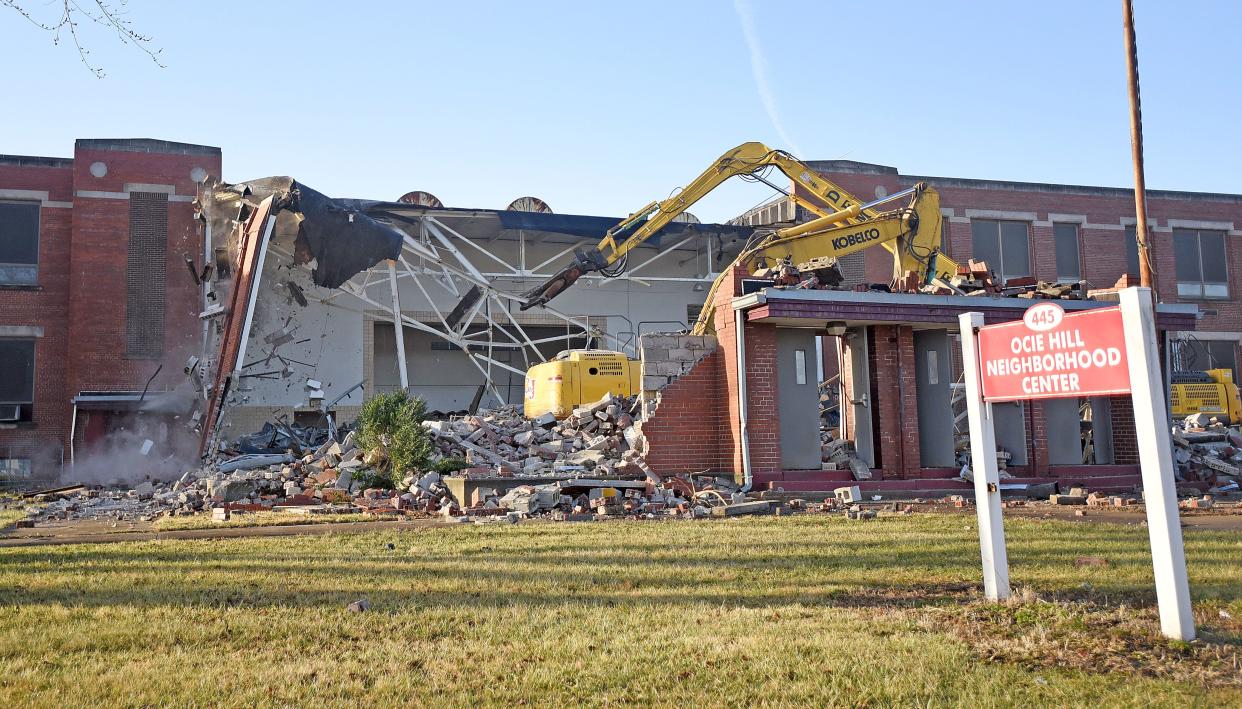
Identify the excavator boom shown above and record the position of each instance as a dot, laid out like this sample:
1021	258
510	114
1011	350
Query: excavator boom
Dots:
822	197
913	233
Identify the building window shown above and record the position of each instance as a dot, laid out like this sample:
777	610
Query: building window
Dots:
1132	259
17	365
1004	245
145	284
1199	257
19	243
1066	237
1195	355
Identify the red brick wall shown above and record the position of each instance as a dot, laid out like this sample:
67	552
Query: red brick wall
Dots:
1125	437
683	433
45	305
697	425
100	242
80	298
1037	430
763	421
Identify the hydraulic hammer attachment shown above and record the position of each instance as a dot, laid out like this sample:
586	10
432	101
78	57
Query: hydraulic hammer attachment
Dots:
584	262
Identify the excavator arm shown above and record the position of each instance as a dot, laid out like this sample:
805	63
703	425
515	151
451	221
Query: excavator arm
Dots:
823	198
912	232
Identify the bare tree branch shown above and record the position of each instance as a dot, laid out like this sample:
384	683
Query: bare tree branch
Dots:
108	15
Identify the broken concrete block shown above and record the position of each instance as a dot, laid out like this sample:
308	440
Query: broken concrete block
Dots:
529	499
860	469
230	490
429	480
847	495
742	508
1068	499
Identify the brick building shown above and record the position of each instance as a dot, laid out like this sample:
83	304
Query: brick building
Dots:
1073	232
898	359
96	304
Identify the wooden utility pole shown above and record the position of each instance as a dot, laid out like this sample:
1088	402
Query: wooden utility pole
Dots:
1136	146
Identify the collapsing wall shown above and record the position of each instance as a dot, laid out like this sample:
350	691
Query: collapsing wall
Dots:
681	403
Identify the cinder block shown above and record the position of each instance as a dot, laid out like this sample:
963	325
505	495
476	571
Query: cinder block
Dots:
666	369
652	383
681	355
654	354
699	342
657	340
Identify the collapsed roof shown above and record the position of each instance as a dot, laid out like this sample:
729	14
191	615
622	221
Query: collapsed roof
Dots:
340	242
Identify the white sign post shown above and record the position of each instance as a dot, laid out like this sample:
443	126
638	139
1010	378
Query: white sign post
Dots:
1151	424
1058	355
984	467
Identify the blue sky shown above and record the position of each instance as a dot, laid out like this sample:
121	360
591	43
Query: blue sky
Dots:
600	107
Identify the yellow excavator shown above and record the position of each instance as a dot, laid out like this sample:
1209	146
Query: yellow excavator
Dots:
906	223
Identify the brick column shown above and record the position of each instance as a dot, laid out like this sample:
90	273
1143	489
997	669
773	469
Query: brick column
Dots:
1037	430
896	400
1125	437
762	414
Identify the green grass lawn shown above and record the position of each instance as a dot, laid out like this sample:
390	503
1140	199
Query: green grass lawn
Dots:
811	610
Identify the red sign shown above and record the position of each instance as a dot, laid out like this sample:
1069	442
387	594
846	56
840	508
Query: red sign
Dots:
1051	355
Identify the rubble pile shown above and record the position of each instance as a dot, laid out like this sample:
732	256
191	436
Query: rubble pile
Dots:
333	478
1207	450
583	499
598	439
599	442
973	278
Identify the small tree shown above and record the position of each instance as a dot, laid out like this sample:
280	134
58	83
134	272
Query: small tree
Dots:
395	421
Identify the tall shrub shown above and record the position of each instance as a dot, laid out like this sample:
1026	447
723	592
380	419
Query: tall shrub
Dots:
395	421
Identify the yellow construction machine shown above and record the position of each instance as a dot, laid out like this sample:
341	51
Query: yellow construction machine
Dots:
906	223
1212	392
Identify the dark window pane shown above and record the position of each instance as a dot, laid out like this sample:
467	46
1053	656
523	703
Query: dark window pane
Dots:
19	232
1186	256
1212	252
17	371
985	242
1066	236
1132	260
1014	249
